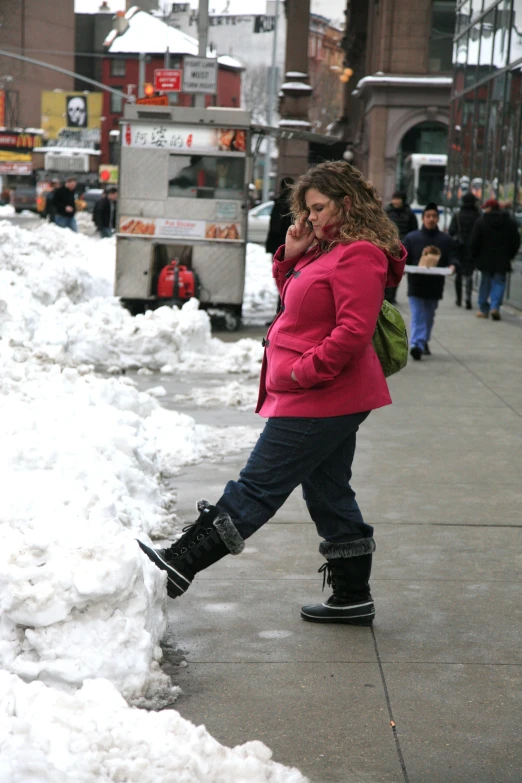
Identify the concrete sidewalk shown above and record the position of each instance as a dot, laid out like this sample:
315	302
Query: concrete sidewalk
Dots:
431	694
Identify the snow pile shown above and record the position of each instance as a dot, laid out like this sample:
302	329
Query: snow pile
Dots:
260	297
85	467
75	589
92	736
56	301
7	211
233	395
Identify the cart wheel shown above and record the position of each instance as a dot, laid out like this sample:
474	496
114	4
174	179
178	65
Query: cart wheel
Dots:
232	321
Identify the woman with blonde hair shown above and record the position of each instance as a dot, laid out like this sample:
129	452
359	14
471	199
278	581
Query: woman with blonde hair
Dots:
319	381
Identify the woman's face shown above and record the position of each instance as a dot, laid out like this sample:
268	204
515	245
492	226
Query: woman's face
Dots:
323	212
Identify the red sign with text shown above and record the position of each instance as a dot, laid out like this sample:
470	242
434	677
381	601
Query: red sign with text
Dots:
167	80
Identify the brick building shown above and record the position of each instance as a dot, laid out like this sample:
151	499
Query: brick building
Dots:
325	60
397	102
29	28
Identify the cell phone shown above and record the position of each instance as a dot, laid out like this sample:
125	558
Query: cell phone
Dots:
310	226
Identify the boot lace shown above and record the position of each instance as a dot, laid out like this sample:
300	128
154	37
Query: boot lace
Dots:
195	532
326	571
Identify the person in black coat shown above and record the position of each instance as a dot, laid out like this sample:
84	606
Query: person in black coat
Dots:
64	203
494	242
460	228
280	219
406	221
425	290
104	213
50	211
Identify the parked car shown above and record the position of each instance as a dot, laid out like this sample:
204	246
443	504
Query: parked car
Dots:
91	196
259	222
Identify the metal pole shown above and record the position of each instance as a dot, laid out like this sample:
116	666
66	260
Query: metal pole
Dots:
78	76
199	101
141	76
271	97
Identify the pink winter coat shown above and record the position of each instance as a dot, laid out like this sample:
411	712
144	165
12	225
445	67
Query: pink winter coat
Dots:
330	304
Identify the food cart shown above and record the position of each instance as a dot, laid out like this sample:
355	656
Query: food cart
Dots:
183	202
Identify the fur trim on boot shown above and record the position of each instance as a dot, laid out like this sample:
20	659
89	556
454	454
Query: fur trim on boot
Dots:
228	532
362	546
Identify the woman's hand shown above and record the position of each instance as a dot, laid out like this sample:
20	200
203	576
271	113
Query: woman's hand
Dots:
298	238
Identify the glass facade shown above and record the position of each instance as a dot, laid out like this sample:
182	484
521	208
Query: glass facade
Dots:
485	133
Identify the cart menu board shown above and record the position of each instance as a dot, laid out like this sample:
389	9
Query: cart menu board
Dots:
183	138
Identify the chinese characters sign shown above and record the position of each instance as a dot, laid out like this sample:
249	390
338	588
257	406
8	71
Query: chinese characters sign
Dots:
183	138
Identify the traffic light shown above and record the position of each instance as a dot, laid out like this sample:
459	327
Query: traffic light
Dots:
346	75
148	89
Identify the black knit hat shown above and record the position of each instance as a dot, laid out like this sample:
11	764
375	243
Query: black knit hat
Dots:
430	207
469	199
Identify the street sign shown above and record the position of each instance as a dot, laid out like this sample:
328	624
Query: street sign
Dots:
156	100
200	75
167	80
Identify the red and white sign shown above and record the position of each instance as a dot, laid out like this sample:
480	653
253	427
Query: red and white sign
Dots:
16	167
167	80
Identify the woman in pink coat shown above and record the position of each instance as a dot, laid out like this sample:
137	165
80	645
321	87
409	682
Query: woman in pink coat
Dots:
319	382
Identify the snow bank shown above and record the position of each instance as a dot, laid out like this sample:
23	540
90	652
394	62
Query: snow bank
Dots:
92	736
85	466
260	297
56	301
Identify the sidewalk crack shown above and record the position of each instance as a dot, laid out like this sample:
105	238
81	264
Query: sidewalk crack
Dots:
390	711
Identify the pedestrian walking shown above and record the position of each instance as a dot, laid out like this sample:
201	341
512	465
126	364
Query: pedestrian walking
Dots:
460	229
280	222
104	213
425	291
64	204
320	380
494	242
406	221
280	218
50	210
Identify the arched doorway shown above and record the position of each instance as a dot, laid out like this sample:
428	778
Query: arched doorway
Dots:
429	138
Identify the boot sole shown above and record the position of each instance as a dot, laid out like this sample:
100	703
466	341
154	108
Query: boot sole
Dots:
178	582
365	621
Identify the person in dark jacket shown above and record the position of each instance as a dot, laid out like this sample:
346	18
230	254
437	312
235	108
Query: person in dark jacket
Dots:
280	219
64	204
425	290
50	211
495	240
460	228
104	213
404	218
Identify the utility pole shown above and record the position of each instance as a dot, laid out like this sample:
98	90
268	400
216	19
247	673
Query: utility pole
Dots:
141	75
271	97
199	100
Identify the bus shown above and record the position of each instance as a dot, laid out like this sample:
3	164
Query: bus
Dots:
423	176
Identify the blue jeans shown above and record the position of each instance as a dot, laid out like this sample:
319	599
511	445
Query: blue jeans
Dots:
422	317
105	232
316	453
491	286
66	222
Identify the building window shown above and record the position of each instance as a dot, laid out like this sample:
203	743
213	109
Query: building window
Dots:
442	32
118	67
117	101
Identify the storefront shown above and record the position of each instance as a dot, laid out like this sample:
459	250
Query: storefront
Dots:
486	111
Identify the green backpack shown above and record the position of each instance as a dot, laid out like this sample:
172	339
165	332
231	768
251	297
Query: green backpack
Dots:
390	340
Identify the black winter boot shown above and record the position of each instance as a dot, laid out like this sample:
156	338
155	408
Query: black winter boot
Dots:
349	576
212	536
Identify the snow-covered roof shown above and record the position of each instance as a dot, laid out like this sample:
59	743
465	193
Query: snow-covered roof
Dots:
150	35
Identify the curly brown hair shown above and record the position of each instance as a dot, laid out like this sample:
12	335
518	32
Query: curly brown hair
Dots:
365	219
